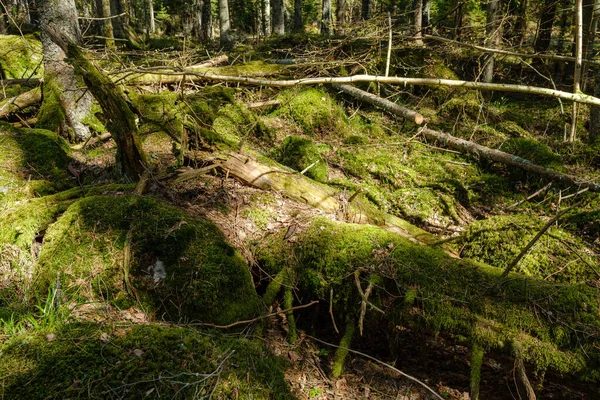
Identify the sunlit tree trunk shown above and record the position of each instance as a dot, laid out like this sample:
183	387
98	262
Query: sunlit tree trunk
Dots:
278	17
494	36
578	63
150	24
340	17
419	22
426	14
326	18
109	36
298	25
65	103
225	25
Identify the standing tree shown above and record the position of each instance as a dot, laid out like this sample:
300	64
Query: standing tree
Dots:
494	36
206	30
109	37
278	17
544	32
419	22
298	25
65	103
340	17
326	18
366	9
225	25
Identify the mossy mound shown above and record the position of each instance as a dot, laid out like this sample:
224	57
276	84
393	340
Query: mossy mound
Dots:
300	153
32	162
423	289
130	250
98	361
315	112
20	57
534	151
235	122
558	255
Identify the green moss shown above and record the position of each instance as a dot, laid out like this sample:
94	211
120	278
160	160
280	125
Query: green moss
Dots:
234	122
92	120
342	352
455	297
314	111
51	115
261	216
28	155
93	360
476	363
20	57
300	153
534	151
86	246
498	240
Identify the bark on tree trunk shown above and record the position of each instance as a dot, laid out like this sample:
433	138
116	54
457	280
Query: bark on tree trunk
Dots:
494	36
149	24
594	133
298	21
366	10
265	10
206	32
578	63
109	40
521	25
120	119
65	103
426	15
225	25
340	17
326	18
419	22
278	17
542	41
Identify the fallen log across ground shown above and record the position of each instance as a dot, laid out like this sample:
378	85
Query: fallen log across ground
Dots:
483	152
20	102
382	103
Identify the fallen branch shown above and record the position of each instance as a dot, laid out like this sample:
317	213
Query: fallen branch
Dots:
249	321
28	81
212	62
382	103
20	102
533	241
482	152
404	374
260	104
392	80
518	203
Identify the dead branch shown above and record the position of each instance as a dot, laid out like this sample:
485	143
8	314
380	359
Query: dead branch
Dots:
404	374
518	203
260	104
387	105
522	374
534	240
28	81
392	80
20	102
249	321
213	62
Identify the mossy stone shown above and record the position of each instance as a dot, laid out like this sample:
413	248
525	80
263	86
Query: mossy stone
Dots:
202	277
299	153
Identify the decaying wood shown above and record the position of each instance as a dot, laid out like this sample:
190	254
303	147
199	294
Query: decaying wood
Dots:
323	197
482	152
390	80
522	374
260	104
213	62
28	81
382	103
17	103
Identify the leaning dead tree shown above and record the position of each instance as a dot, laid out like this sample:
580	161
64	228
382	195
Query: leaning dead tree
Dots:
485	153
120	119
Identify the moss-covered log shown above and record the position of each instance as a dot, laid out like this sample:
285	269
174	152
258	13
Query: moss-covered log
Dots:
20	102
555	325
121	120
295	186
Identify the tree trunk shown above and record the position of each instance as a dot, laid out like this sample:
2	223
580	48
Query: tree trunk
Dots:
578	63
521	24
494	36
120	119
594	136
225	25
298	25
419	22
34	14
326	18
426	15
278	17
542	41
340	17
149	23
109	36
366	10
206	32
65	103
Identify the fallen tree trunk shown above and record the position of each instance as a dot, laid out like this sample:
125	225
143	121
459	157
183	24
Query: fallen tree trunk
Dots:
323	197
20	102
382	103
482	152
390	80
